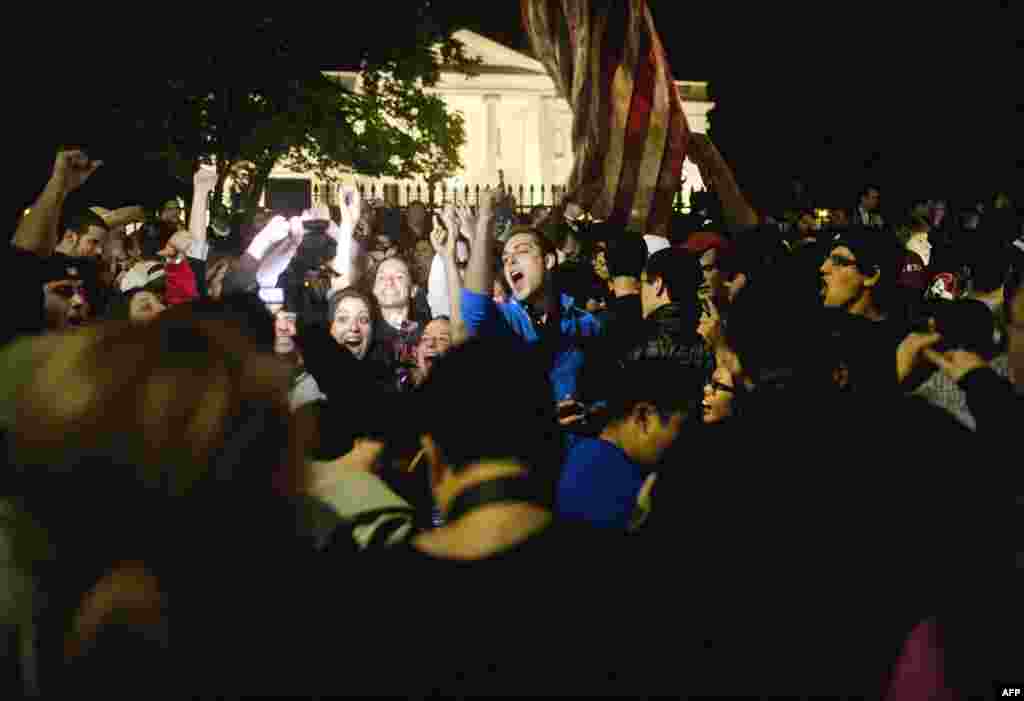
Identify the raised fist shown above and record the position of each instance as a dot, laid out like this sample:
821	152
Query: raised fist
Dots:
72	168
205	178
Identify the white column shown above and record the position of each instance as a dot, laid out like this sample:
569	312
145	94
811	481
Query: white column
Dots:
491	160
547	146
533	158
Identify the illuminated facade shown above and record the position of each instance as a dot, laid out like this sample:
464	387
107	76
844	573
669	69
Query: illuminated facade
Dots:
515	123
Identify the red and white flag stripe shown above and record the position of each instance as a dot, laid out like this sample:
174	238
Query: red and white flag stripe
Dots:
629	130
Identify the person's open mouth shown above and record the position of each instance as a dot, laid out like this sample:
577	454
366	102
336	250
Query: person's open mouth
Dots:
516	278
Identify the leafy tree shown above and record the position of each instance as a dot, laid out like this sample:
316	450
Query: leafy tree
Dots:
246	112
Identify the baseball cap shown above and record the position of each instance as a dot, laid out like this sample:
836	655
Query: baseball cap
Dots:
141	275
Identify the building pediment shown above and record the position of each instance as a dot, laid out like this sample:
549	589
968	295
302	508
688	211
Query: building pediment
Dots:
495	57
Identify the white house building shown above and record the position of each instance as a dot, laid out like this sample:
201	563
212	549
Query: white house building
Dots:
516	126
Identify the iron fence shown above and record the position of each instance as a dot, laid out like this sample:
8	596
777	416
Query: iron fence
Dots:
403	194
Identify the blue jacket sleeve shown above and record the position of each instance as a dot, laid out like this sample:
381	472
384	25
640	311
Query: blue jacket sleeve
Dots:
482	316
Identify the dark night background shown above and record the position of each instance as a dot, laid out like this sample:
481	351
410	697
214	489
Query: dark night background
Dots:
922	99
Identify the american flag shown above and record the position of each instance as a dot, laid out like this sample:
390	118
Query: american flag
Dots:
629	131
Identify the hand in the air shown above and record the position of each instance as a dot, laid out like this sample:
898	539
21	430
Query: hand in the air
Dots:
205	179
351	209
470	225
72	169
449	220
486	216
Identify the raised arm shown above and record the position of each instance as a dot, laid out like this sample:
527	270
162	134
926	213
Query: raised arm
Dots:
344	235
446	242
480	271
37	232
244	277
204	181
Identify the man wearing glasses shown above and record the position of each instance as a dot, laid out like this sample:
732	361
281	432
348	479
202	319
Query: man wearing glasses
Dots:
857	279
857	273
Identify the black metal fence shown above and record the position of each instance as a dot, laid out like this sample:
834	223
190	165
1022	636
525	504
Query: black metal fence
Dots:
403	194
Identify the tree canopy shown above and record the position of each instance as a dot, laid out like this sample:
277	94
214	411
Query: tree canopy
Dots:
261	98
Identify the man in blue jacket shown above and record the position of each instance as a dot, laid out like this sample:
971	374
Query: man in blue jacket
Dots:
546	320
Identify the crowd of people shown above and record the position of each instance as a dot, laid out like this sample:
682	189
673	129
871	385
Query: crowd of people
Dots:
476	449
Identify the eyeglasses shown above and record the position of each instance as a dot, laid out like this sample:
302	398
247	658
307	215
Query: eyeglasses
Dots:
718	386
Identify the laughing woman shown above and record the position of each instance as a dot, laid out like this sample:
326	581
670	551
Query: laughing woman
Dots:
349	335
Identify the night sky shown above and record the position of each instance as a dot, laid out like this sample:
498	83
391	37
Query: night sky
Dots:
923	101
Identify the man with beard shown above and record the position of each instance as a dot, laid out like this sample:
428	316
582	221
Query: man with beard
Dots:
79	254
28	260
84	237
155	233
